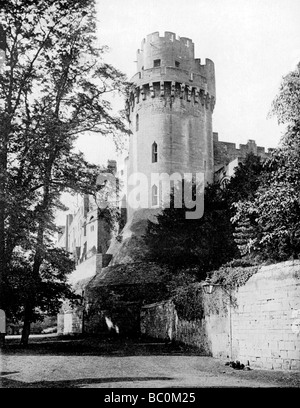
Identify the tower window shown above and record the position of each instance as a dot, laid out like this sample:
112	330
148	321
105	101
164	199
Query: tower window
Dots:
177	64
137	122
154	152
156	63
154	195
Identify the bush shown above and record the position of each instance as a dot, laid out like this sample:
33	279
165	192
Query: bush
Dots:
235	273
188	302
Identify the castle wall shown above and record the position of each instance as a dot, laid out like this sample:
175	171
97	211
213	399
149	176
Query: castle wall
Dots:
261	323
225	152
80	236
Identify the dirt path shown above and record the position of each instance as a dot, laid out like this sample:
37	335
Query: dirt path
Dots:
103	363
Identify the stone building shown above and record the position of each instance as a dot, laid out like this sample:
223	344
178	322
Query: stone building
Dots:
87	235
227	156
169	109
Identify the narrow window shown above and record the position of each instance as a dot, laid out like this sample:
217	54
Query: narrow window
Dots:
154	152
84	229
92	226
156	63
177	64
154	195
137	122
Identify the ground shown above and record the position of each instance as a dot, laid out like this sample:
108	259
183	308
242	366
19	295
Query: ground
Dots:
51	362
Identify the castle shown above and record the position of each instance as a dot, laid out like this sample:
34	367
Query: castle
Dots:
169	108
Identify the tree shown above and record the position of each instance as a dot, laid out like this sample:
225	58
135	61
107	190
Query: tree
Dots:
49	290
54	88
246	179
242	188
198	245
286	105
274	211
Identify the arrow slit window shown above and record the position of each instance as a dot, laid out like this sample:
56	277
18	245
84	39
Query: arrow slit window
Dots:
154	195
137	122
154	152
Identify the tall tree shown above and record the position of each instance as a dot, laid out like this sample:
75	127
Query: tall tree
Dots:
53	86
242	187
274	211
199	245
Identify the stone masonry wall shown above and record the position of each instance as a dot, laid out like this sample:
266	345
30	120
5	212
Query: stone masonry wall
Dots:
264	324
261	323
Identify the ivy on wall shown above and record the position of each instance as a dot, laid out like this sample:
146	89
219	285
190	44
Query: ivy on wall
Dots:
192	304
235	273
188	301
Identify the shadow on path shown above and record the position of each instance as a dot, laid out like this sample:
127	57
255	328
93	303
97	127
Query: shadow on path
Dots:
9	383
8	372
98	347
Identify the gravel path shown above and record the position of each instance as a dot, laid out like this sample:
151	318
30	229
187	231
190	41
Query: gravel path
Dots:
101	363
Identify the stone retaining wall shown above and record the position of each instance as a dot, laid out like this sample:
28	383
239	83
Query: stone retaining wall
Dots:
259	322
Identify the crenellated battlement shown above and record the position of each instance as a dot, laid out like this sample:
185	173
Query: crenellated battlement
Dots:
170	52
169	91
155	38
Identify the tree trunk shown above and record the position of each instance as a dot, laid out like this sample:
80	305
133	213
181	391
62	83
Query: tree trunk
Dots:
26	325
38	259
29	307
4	129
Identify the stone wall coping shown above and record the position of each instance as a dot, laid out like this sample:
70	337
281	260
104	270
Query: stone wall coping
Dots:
294	262
163	302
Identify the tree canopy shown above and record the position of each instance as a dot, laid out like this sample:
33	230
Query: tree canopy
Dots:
54	86
272	215
198	245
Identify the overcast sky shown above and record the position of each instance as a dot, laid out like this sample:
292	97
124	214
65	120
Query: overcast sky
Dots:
253	44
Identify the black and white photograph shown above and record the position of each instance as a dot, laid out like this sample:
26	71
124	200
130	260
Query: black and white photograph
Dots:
150	197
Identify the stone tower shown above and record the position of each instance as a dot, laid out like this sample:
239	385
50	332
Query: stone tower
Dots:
170	108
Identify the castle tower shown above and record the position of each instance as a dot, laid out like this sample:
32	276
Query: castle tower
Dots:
170	108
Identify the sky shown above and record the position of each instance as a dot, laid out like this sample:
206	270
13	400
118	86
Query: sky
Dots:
253	44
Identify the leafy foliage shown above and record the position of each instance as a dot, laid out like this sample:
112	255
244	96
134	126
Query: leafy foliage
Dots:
246	179
188	302
50	289
199	245
286	105
272	216
54	87
235	273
